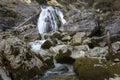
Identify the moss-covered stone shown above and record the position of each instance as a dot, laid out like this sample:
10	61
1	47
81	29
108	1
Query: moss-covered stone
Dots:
47	44
57	35
91	69
63	55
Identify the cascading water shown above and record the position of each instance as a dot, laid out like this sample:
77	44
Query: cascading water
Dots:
50	19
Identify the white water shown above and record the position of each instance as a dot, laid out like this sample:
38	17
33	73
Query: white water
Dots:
49	19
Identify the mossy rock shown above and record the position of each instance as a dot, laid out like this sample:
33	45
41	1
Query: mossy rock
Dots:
91	69
57	35
114	68
64	56
47	44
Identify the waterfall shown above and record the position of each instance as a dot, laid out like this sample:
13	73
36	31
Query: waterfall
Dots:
49	19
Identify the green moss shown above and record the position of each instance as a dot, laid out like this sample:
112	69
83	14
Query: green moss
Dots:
114	68
91	69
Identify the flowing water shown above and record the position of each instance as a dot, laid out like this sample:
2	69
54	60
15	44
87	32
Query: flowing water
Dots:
50	19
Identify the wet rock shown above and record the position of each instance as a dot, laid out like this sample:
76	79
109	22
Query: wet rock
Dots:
16	58
91	69
47	44
57	35
77	38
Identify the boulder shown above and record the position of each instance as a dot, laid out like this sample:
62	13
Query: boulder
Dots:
47	57
80	51
98	52
63	55
77	38
66	38
91	69
16	58
56	35
47	44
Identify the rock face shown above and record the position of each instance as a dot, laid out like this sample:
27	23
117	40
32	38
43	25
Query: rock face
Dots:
28	33
13	13
18	61
82	20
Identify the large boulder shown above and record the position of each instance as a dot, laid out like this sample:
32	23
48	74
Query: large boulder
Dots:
62	53
18	61
91	69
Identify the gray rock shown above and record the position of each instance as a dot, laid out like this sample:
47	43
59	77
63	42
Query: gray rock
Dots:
77	38
98	52
83	20
28	33
66	38
80	51
16	58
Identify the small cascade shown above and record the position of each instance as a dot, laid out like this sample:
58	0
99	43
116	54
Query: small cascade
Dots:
50	19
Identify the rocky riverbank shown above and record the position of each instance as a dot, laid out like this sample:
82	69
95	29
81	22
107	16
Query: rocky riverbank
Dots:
89	41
